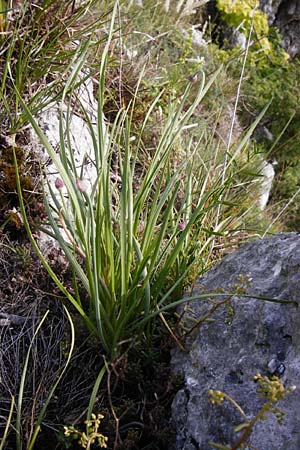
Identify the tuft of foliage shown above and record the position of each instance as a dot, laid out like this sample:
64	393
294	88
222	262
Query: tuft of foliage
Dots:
37	47
242	14
271	76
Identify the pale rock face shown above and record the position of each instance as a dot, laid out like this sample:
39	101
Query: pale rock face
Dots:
81	143
80	136
227	351
197	37
239	39
268	173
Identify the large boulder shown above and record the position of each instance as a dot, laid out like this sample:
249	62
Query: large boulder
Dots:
243	337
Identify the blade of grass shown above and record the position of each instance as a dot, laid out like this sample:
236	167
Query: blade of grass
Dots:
94	393
8	423
46	403
43	260
22	385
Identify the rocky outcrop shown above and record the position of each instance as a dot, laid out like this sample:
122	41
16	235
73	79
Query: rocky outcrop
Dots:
78	122
270	7
285	15
78	139
244	336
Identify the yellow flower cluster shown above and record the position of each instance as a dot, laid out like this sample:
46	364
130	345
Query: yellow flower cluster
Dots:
92	435
216	397
271	388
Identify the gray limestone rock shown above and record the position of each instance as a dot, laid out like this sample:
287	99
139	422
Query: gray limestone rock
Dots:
270	7
245	337
285	15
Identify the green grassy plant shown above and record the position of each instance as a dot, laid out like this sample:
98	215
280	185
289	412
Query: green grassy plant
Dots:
36	51
8	424
168	189
37	421
134	237
3	17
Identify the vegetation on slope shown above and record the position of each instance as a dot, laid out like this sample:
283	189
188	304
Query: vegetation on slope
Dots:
177	187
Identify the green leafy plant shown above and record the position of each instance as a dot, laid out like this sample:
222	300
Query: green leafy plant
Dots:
272	75
271	390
